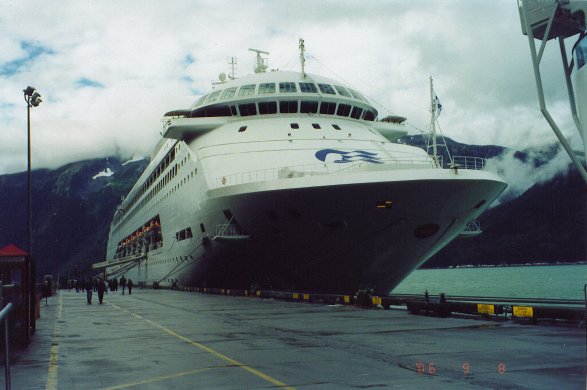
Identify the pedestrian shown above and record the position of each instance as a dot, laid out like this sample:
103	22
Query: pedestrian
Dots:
129	284
46	290
89	287
123	283
100	289
115	284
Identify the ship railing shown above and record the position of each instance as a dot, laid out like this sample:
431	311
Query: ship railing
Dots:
467	162
460	162
472	229
228	230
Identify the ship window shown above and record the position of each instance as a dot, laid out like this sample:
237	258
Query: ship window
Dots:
246	90
308	88
288	107
326	88
356	95
327	108
369	116
201	100
188	233
243	128
247	109
343	110
356	114
309	107
267	88
287	87
213	111
202	228
267	108
316	126
342	91
336	127
294	125
213	96
228	93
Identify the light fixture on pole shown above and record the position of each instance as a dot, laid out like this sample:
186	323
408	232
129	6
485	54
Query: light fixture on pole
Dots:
33	99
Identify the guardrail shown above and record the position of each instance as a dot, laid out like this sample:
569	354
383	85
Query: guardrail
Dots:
4	316
467	162
498	308
460	162
224	230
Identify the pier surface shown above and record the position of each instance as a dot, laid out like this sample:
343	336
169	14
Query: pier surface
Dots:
159	339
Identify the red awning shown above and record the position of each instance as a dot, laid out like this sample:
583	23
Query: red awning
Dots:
12	250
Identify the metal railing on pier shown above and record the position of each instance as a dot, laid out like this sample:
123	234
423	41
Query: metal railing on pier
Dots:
4	316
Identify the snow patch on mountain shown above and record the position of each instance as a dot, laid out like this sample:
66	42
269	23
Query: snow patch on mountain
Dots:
134	158
105	173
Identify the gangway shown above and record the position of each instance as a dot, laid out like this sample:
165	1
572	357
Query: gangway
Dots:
123	261
551	19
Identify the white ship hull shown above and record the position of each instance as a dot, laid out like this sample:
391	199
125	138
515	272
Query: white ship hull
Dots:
318	203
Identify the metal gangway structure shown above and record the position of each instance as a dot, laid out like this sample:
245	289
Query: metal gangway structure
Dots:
545	20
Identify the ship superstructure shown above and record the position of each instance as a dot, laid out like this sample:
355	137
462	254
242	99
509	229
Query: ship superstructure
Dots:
289	180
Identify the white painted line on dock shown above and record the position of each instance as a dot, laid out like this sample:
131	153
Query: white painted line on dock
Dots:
54	355
219	355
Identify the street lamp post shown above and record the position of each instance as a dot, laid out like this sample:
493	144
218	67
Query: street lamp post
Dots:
33	99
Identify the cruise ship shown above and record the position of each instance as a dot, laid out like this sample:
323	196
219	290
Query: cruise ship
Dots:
291	181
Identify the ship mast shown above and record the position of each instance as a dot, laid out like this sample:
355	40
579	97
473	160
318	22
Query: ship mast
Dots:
302	58
433	108
232	64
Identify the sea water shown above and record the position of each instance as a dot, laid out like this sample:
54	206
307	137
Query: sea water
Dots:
545	281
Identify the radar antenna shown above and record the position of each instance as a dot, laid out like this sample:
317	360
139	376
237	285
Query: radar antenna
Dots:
261	65
302	58
548	19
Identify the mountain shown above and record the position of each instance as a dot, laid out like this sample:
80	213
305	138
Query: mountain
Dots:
539	219
72	208
547	223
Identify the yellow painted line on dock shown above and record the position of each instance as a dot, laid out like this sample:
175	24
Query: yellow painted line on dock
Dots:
54	355
211	351
163	378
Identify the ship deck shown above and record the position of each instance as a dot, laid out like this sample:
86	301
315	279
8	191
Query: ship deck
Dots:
174	339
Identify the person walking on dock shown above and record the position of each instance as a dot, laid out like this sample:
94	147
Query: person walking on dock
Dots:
123	283
129	284
101	289
89	288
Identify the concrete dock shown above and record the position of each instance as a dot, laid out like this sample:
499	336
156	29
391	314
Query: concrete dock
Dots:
160	339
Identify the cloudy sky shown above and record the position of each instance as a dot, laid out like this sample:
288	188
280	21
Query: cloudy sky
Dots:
108	70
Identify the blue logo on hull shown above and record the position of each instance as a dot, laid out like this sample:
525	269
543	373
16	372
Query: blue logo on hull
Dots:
347	157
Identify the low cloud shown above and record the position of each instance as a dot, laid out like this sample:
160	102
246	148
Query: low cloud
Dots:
522	170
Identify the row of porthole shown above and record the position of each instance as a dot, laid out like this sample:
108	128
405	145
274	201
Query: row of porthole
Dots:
297	126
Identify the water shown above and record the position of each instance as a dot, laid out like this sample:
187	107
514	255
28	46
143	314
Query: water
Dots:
551	282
